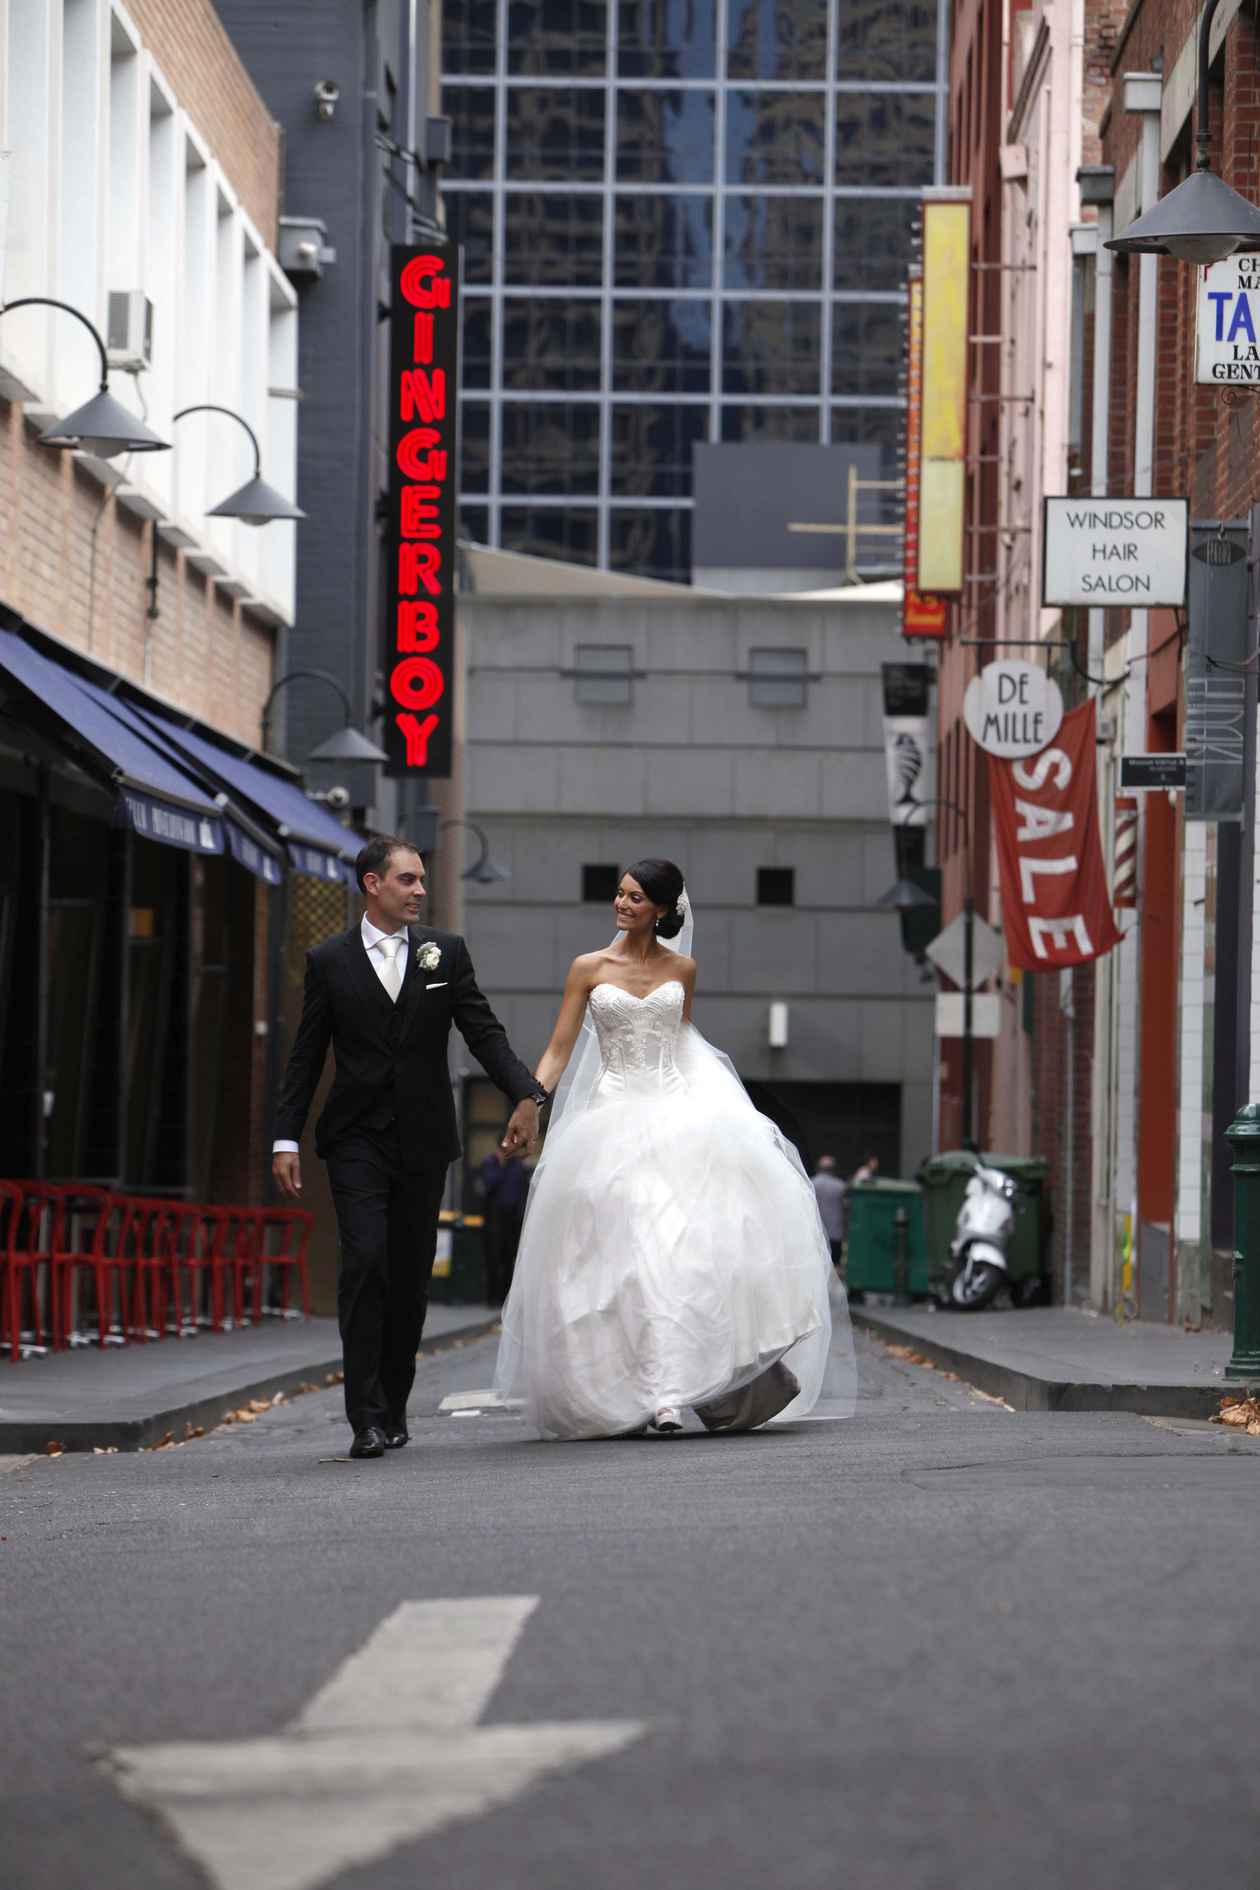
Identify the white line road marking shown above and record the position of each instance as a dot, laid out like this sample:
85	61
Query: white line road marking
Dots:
388	1752
458	1401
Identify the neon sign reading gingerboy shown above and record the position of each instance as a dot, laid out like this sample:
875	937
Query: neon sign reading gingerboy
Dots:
420	589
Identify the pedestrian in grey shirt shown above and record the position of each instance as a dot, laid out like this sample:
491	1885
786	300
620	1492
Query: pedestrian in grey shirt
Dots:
829	1192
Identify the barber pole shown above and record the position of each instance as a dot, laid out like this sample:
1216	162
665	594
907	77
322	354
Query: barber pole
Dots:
1124	886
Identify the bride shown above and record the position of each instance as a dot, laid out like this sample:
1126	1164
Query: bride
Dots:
672	1253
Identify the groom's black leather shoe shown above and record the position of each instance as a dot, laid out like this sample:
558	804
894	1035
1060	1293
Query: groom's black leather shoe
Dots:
369	1442
396	1435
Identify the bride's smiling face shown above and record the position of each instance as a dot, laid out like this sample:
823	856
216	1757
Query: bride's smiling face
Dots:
634	910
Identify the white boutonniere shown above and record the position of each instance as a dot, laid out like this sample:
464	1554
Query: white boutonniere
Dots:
428	957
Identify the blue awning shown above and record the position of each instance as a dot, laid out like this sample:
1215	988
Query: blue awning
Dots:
247	846
315	842
158	799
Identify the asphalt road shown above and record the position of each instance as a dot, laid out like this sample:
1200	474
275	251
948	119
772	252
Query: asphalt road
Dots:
939	1645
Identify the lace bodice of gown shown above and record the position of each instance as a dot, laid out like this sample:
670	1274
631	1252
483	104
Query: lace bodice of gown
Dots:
638	1040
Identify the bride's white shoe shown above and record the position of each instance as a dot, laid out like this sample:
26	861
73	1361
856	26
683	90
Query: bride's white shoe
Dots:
668	1420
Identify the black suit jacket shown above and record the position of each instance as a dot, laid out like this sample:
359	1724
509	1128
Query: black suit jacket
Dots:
391	1057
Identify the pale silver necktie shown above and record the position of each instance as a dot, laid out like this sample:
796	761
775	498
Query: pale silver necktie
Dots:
391	951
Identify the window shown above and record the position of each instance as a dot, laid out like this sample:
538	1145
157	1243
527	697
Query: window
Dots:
555	134
777	39
599	884
662	241
550	345
603	675
665	137
655	542
553	238
777	679
666	39
773	243
776	885
546	37
652	448
567	532
550	447
770	348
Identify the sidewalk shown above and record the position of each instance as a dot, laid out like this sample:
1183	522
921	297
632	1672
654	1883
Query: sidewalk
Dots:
132	1395
1055	1358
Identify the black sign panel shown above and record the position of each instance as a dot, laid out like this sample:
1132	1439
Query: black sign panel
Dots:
1140	773
419	660
1216	677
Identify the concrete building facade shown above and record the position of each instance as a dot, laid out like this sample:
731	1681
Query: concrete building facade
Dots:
743	739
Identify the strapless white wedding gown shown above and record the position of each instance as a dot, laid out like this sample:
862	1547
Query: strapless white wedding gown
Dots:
672	1249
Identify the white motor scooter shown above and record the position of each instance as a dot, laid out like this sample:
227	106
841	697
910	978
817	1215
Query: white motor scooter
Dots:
981	1233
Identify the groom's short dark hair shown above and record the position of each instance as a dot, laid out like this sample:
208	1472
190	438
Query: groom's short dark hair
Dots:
376	855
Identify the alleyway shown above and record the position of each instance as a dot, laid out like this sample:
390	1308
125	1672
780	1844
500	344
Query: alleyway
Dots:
941	1645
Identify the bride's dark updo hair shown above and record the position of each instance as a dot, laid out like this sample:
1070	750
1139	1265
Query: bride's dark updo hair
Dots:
663	884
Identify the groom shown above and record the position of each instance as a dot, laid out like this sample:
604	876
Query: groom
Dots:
384	995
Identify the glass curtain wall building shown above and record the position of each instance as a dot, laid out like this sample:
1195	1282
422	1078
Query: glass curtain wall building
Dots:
683	220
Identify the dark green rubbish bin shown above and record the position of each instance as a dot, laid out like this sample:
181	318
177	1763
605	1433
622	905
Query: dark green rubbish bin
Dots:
459	1272
945	1177
871	1244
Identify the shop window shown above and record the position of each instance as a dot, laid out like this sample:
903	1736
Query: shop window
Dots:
599	884
603	675
776	885
777	679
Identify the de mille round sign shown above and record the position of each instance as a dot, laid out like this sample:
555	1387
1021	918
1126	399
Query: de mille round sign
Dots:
1012	708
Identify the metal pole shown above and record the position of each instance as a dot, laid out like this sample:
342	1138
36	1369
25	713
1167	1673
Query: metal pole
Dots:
901	1258
1244	1138
968	1136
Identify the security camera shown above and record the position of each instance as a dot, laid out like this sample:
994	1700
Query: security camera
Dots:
338	797
327	92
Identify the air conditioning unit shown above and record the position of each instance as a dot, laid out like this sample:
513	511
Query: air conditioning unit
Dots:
129	330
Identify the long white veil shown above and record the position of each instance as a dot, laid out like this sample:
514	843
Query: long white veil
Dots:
824	1362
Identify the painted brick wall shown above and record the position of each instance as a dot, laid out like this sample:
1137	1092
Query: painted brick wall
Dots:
74	562
190	44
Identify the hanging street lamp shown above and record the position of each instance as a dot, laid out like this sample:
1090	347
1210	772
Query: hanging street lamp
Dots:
254	503
102	426
347	744
1203	220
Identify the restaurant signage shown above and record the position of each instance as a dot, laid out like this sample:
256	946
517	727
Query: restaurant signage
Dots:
420	587
1114	553
920	616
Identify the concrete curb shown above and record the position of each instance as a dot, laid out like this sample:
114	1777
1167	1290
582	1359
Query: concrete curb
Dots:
32	1436
1023	1391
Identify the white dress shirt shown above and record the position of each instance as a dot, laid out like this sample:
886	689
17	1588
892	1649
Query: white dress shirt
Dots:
371	936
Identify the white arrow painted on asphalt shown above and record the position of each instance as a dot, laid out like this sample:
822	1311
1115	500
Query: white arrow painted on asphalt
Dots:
388	1752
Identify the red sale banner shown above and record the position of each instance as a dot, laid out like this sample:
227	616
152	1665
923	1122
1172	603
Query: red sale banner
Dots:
1054	889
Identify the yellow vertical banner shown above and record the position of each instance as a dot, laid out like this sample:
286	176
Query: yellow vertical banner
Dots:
943	426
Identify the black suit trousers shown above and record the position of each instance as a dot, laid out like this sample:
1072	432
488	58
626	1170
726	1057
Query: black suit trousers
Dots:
387	1218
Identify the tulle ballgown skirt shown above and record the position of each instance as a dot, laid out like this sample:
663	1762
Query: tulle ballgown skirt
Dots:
671	1253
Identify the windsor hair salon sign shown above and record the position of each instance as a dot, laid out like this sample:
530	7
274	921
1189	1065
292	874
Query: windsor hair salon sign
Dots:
420	588
1129	553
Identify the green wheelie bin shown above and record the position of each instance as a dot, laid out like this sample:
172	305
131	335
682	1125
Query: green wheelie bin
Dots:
944	1178
459	1272
870	1264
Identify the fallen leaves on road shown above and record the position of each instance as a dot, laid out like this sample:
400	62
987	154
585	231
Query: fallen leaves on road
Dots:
1242	1413
918	1358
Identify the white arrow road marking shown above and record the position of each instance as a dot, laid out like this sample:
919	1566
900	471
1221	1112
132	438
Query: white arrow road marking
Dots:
388	1752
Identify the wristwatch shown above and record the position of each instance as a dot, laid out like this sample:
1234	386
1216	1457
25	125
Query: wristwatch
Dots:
540	1096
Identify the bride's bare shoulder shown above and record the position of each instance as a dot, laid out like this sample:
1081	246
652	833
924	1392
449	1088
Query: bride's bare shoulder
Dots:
686	968
585	967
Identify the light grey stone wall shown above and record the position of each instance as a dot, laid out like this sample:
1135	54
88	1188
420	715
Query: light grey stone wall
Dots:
691	771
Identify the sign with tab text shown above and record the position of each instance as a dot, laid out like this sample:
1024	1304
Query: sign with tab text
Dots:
1227	337
419	660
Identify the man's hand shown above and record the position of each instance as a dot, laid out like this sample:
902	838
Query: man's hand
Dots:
286	1167
522	1129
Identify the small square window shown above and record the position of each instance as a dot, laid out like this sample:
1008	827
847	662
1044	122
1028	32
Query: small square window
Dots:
776	885
603	675
599	884
777	679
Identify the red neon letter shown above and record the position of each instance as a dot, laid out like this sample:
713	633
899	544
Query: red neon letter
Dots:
417	683
420	391
416	512
418	569
416	735
424	285
417	627
422	339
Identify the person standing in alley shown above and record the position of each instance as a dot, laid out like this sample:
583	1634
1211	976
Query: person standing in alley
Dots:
504	1181
830	1191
